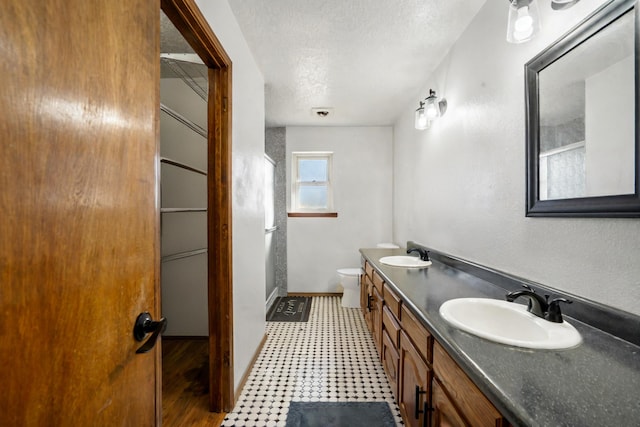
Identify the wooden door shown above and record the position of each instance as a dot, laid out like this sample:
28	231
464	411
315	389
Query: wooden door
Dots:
79	212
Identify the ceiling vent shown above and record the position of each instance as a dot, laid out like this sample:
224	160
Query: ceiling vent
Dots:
321	111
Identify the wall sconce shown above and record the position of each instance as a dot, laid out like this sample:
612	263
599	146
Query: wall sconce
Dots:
429	110
524	20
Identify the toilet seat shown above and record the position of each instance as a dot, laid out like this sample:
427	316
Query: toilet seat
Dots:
350	271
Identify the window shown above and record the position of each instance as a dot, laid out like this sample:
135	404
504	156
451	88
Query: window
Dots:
311	190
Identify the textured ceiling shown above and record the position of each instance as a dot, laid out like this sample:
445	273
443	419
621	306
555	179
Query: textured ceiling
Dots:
366	59
171	41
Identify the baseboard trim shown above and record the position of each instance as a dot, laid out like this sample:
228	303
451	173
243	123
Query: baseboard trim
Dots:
247	372
314	294
271	299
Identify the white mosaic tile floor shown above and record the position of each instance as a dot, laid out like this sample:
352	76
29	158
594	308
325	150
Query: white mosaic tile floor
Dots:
330	358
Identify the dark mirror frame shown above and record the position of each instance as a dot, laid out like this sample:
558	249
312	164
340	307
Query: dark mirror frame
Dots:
617	206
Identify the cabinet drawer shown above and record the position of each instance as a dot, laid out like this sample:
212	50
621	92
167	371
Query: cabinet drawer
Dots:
467	397
392	300
366	280
391	326
377	281
417	333
368	269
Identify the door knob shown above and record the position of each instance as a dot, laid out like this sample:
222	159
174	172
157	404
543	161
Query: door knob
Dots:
146	325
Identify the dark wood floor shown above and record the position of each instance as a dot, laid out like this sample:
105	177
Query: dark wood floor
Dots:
185	386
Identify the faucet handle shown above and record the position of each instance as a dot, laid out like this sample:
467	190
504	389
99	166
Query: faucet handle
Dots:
527	287
553	312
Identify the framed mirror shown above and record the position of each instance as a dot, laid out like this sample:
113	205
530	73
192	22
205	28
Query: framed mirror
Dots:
582	99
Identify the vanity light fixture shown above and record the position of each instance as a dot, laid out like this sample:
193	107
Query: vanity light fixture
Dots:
429	110
524	20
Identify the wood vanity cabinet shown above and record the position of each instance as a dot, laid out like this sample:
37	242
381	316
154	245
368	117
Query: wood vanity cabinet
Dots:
429	386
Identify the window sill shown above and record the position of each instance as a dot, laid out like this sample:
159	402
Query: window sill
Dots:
312	214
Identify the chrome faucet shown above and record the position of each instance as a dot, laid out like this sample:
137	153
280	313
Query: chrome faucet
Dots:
539	305
424	254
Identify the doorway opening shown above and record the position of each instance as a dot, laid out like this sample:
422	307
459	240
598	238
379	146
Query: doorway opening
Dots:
195	214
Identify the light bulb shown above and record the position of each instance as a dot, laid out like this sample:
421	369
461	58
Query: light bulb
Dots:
421	121
432	111
524	22
432	107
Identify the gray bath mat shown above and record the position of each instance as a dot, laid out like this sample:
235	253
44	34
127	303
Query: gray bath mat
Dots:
340	414
290	309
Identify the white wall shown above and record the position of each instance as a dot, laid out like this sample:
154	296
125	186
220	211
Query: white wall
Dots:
460	186
362	179
247	186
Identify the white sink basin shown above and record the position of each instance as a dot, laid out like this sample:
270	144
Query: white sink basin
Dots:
404	261
508	323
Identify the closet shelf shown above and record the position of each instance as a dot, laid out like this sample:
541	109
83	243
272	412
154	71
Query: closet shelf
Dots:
188	123
172	162
181	255
190	69
171	210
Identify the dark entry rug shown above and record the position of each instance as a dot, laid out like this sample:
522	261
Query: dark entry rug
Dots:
290	309
340	414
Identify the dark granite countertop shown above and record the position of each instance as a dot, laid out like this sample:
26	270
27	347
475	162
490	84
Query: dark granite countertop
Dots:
594	384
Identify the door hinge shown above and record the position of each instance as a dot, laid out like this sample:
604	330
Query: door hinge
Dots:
224	104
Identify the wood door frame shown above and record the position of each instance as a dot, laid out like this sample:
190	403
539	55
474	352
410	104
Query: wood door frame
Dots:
189	21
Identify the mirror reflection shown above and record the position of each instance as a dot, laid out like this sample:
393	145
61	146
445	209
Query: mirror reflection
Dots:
587	117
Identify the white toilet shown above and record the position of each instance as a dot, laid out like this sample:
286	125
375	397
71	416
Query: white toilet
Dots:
350	281
387	246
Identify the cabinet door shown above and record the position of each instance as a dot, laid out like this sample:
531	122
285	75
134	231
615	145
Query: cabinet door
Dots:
364	295
376	318
391	362
367	301
467	396
415	381
444	412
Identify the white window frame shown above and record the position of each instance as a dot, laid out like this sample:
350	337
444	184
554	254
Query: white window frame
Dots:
296	184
